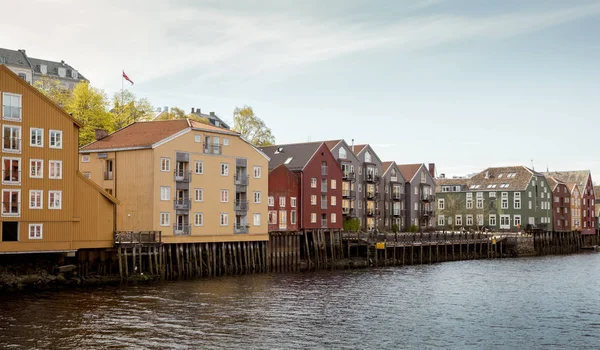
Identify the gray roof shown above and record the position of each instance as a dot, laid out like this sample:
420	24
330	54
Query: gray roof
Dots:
517	181
579	177
14	58
300	154
20	58
212	118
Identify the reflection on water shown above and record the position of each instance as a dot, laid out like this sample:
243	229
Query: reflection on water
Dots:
549	302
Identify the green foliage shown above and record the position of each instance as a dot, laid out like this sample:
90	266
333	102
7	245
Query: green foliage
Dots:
126	109
412	228
88	105
395	228
352	225
51	88
252	127
178	113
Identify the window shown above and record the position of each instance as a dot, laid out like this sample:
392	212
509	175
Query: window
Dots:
359	187
458	219
11	202
504	221
504	204
517	220
198	138
165	164
36	139
257	172
441	203
199	167
224	196
293	202
440	220
479	203
367	157
293	217
11	170
334	201
11	106
272	217
333	218
342	153
480	219
224	220
492	194
469	220
469	203
11	136
333	184
313	200
282	202
165	219
492	219
55	139
313	218
360	205
517	200
287	161
199	194
225	141
416	190
55	169
313	182
165	193
257	219
36	199
271	201
54	199
198	219
35	231
224	169
256	197
416	206
85	158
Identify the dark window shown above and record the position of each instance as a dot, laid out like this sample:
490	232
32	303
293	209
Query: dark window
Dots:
22	76
10	231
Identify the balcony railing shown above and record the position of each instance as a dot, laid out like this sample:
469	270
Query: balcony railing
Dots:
372	195
181	204
212	148
347	211
181	229
182	176
426	197
372	178
241	180
241	229
324	187
427	212
130	237
323	170
348	175
323	223
11	144
397	196
370	212
393	178
348	193
396	212
108	175
324	204
241	205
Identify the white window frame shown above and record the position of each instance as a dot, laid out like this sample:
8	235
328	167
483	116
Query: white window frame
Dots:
224	196
313	218
469	220
271	201
272	217
441	203
333	218
515	219
198	163
18	213
313	199
293	202
18	172
41	143
492	218
165	164
55	177
224	219
256	219
479	219
85	158
58	145
165	193
19	138
293	217
257	172
165	219
8	96
256	197
52	204
41	198
197	138
225	141
196	192
334	201
458	220
39	228
224	169
313	182
504	226
441	221
333	184
198	219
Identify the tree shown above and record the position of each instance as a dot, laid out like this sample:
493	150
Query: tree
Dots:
252	127
88	105
52	89
127	109
454	204
178	113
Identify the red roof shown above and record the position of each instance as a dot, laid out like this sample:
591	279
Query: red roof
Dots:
358	148
408	171
385	166
332	143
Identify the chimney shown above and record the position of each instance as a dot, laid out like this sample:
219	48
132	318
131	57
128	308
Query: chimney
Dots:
23	51
100	134
198	111
192	110
212	113
352	145
432	169
158	109
487	174
442	176
166	109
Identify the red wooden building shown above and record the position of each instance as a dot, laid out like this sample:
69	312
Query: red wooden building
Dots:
583	178
283	199
319	184
561	206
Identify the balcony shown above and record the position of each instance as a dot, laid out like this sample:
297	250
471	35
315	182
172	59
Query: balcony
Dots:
394	179
427	197
396	212
182	176
397	196
351	176
372	178
212	148
108	175
323	223
323	171
241	180
372	194
238	229
324	188
348	193
182	204
427	213
323	204
181	229
347	211
241	205
370	212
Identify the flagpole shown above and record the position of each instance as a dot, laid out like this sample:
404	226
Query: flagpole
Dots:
122	79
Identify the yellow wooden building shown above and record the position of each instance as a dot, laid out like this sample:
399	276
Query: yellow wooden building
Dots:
196	183
47	205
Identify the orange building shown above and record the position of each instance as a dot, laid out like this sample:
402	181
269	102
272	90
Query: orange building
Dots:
47	204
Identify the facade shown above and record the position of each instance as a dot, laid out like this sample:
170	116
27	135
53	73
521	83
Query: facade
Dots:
284	192
368	184
319	182
194	182
392	190
506	198
576	224
561	205
33	69
47	205
597	205
419	188
349	165
583	178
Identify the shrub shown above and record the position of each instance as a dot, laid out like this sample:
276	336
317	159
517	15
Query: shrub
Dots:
395	228
352	225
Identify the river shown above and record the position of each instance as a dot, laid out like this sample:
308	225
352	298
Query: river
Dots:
527	303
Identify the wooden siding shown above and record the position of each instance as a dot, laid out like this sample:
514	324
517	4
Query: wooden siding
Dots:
588	221
576	212
561	211
94	216
58	224
283	183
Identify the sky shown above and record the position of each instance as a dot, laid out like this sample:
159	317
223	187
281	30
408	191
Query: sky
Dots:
464	84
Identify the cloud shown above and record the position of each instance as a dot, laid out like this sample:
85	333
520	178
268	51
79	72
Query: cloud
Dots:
155	40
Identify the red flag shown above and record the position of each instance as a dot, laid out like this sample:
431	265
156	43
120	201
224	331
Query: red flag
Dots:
127	78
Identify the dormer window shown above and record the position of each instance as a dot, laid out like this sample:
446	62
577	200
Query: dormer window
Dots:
342	153
43	69
74	74
368	157
62	72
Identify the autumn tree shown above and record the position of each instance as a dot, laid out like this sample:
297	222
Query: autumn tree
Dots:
178	113
89	106
52	89
454	204
128	109
252	127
